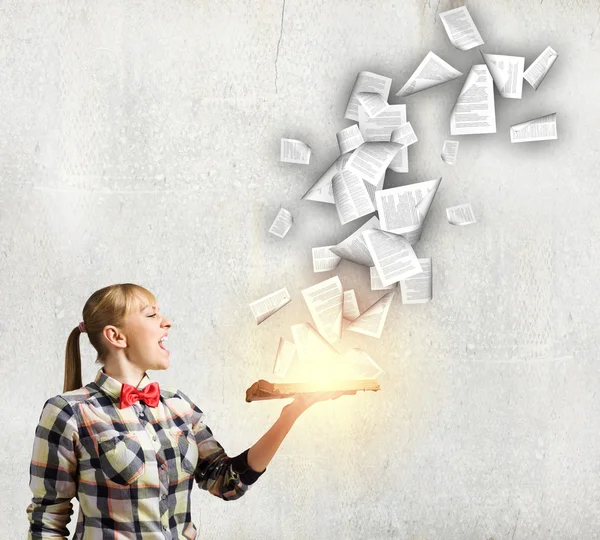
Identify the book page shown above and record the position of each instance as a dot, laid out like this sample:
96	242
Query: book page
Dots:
351	197
366	82
294	151
542	128
507	73
264	307
376	283
431	72
349	139
404	135
461	29
370	160
325	302
324	260
311	347
460	215
418	289
474	111
282	223
322	190
350	310
372	321
353	248
450	151
392	254
372	103
536	72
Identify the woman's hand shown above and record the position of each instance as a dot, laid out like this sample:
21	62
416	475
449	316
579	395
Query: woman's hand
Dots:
302	402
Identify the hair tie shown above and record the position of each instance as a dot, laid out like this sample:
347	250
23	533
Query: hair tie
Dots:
81	327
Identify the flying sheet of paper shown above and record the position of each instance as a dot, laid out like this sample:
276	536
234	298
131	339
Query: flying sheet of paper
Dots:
536	72
403	210
450	151
325	302
351	197
366	82
460	215
357	364
284	358
282	223
507	73
371	189
474	111
294	151
353	248
310	345
404	135
350	310
431	71
322	190
542	128
461	29
376	283
370	160
380	128
264	307
349	139
371	322
392	254
372	103
323	259
418	289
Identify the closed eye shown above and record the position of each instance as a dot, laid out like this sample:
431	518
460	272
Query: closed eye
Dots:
152	315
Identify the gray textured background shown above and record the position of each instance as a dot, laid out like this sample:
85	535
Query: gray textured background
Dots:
139	142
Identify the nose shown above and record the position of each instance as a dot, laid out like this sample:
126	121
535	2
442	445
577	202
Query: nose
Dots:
166	322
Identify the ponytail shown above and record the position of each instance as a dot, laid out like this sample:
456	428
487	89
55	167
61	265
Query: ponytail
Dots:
73	362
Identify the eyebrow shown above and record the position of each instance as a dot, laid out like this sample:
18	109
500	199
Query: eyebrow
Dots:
147	306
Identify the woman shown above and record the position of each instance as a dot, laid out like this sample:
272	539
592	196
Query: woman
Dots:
127	449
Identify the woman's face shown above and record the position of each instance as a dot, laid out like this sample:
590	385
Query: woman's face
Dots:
144	329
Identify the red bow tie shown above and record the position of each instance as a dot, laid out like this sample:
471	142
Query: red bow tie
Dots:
130	394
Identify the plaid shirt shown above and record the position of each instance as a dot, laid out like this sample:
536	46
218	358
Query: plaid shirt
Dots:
132	470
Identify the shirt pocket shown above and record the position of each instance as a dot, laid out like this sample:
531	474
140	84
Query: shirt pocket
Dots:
185	445
121	458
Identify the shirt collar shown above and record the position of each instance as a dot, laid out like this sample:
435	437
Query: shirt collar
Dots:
113	387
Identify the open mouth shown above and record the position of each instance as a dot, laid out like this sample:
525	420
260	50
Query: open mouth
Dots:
161	345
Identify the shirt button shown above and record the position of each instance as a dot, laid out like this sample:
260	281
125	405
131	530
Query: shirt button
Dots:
154	438
165	527
163	496
141	415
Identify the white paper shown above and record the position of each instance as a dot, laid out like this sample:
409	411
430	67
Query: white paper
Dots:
310	345
264	307
380	128
418	289
372	321
353	248
282	223
284	358
392	254
542	128
370	160
294	151
371	189
325	302
474	111
358	365
372	103
324	260
350	310
376	283
507	73
351	197
460	215
536	72
431	72
450	151
461	29
403	210
322	190
404	135
366	82
349	138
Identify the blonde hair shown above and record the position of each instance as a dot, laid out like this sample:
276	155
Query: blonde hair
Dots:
108	306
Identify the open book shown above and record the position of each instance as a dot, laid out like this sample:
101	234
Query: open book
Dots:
265	390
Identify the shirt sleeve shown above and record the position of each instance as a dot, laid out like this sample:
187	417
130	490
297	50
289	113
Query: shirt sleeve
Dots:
53	471
225	477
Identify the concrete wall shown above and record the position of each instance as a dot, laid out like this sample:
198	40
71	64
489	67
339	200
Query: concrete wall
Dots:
139	141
